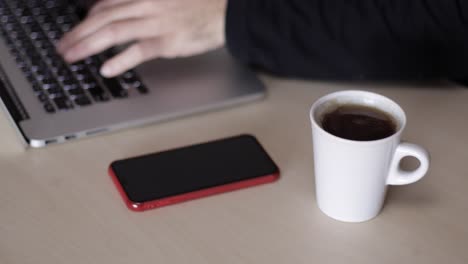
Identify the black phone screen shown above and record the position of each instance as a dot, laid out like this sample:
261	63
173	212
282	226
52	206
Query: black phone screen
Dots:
154	176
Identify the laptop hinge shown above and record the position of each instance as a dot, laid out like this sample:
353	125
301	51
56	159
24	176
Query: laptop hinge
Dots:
11	100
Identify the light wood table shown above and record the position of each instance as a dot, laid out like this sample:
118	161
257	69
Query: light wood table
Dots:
58	205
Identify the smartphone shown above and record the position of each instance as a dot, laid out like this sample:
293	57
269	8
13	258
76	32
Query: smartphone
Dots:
186	173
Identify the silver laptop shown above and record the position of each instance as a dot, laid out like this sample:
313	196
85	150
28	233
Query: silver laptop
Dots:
50	101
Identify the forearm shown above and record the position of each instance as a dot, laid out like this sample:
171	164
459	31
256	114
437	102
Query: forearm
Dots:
344	39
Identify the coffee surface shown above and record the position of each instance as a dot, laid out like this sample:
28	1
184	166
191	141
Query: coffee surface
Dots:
357	122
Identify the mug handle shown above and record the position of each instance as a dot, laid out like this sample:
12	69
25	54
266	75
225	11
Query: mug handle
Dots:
397	176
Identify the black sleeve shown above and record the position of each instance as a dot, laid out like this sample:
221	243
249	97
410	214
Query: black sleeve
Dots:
351	39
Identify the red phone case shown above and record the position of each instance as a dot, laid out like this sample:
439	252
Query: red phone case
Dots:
139	207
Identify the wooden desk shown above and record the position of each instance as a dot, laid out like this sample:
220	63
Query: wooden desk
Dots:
58	205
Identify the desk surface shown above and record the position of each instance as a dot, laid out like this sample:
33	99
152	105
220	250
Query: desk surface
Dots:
58	205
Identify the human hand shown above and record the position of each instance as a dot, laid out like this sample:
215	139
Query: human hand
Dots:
154	28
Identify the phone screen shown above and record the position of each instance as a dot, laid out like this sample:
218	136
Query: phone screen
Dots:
188	169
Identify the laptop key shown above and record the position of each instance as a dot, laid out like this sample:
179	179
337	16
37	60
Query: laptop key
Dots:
71	86
77	66
66	27
51	4
26	20
49	107
90	84
38	12
19	12
82	101
42	96
139	86
98	94
46	79
54	35
63	103
142	88
34	28
54	90
36	87
115	87
68	82
83	77
129	75
34	3
104	97
76	91
58	66
62	19
21	64
63	78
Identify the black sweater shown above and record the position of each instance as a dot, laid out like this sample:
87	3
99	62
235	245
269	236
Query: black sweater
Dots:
351	39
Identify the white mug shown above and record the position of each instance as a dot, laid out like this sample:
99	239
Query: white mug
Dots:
351	177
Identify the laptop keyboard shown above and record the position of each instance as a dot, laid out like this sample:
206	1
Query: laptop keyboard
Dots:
31	28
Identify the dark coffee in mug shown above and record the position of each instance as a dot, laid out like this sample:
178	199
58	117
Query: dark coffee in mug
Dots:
358	122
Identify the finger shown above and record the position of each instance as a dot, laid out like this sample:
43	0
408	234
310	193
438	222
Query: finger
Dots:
132	56
104	4
119	32
95	22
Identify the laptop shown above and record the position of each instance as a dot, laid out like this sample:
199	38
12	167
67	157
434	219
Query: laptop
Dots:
50	101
